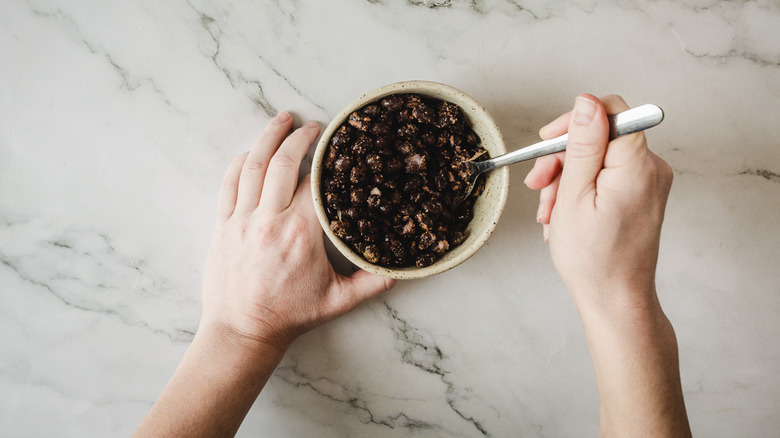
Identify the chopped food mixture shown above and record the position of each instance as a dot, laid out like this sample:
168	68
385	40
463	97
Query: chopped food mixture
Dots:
392	176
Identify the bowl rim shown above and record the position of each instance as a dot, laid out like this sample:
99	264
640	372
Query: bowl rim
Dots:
419	87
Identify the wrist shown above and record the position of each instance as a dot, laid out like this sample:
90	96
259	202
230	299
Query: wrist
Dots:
230	342
628	305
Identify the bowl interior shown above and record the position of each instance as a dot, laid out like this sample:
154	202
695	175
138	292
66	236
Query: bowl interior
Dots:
487	208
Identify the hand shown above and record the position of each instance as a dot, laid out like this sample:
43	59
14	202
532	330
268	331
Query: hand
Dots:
267	276
602	205
267	281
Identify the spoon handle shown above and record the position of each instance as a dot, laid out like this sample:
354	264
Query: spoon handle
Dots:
629	121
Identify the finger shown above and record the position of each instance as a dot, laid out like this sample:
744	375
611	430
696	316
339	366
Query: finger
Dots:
628	148
250	183
614	104
545	170
228	190
281	179
547	198
555	128
303	204
585	150
358	287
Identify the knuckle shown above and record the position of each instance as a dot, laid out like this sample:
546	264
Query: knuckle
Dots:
584	148
255	165
297	230
284	161
265	232
666	174
614	103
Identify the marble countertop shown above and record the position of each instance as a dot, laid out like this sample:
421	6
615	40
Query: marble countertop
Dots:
118	119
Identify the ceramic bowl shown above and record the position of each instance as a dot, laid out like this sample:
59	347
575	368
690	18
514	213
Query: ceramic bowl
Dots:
487	208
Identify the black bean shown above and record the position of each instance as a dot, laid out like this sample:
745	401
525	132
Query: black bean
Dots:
408	130
424	114
340	228
415	163
371	253
341	137
359	121
361	145
424	221
405	148
374	162
448	115
371	110
408	228
424	260
405	116
357	196
441	247
457	238
365	226
343	164
392	102
426	239
373	201
358	174
413	100
471	138
381	143
333	200
336	183
381	129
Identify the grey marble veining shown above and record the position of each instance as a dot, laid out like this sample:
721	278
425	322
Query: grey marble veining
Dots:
118	120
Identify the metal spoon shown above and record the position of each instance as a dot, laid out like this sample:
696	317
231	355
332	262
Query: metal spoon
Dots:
629	121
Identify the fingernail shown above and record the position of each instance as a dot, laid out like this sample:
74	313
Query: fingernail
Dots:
281	117
311	124
584	110
546	233
539	214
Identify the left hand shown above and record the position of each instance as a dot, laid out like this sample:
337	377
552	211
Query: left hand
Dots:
267	276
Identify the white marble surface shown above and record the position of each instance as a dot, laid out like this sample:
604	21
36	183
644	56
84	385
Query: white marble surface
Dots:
117	120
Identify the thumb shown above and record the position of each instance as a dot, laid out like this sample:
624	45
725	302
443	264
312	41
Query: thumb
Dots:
360	286
587	145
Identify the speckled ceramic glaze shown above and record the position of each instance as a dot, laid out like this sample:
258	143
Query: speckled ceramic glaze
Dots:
487	209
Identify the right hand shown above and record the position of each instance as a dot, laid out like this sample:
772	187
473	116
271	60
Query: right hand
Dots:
602	204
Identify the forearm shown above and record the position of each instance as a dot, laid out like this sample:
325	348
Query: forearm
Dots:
635	359
213	388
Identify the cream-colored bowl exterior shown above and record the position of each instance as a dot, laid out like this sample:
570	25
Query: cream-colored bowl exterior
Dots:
487	209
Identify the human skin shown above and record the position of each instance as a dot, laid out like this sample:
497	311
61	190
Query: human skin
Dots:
602	205
267	281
